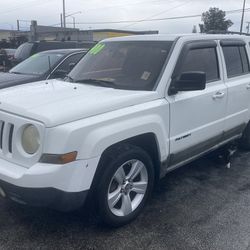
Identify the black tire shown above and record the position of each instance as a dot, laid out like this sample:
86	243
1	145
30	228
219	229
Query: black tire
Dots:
245	139
112	161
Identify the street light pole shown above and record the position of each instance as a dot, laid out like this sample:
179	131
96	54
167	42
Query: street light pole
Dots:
242	18
64	15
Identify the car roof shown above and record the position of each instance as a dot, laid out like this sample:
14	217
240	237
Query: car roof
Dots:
63	51
173	37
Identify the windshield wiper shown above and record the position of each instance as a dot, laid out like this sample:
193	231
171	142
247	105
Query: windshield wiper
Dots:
17	73
97	82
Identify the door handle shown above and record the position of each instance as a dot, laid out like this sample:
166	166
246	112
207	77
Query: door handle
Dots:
248	86
219	95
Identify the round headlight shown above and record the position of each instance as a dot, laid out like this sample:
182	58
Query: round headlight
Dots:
30	139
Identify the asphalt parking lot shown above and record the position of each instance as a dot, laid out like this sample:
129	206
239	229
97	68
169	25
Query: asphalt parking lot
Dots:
200	206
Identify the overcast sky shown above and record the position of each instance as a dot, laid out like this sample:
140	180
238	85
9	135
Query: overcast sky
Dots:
47	12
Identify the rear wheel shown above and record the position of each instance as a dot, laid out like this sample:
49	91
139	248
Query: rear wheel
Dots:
125	185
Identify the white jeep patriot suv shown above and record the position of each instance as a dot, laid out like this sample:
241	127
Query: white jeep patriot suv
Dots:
132	110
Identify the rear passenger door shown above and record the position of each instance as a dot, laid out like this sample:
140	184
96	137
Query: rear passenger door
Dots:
237	79
197	118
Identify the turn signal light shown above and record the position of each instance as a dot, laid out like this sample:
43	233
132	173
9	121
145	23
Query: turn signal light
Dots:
58	159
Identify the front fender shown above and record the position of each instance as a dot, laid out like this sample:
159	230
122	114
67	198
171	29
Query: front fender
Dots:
92	136
102	138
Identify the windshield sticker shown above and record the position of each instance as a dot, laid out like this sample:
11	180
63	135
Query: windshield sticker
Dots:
97	49
145	75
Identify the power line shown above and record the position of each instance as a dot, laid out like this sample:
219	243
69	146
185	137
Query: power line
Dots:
162	12
115	6
158	19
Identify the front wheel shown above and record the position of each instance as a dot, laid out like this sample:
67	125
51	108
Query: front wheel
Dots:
125	185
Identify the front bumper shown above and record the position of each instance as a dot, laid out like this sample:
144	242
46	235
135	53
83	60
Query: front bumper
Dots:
44	197
63	187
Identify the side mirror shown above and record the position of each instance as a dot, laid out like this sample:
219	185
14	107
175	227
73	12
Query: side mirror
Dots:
71	66
188	81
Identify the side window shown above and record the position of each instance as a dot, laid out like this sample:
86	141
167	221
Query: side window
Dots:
244	58
236	60
202	59
65	65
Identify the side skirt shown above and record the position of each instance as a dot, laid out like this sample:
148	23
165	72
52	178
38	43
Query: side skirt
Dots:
175	161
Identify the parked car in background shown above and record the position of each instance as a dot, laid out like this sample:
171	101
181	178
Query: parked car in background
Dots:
30	48
6	58
45	65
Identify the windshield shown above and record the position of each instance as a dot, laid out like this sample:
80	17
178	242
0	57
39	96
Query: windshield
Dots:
134	65
37	64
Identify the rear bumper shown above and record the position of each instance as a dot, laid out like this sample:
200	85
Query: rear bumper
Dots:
43	197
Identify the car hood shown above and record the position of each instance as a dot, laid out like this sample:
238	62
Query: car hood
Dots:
11	79
57	102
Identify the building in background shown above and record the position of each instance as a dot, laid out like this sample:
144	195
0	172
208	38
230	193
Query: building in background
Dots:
12	38
70	34
100	34
49	33
38	32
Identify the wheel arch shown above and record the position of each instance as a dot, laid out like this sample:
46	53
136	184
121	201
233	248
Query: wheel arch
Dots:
148	142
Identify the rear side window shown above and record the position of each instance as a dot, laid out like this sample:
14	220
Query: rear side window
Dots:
202	59
23	51
244	58
236	60
65	65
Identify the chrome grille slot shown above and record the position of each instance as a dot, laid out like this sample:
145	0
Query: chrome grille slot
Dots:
10	141
6	138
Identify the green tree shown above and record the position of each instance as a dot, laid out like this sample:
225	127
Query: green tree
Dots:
215	20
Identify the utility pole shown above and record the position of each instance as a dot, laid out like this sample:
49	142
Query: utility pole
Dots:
64	15
243	14
194	29
61	19
18	25
74	22
33	31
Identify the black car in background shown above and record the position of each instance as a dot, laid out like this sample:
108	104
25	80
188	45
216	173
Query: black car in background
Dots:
6	58
45	65
28	49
